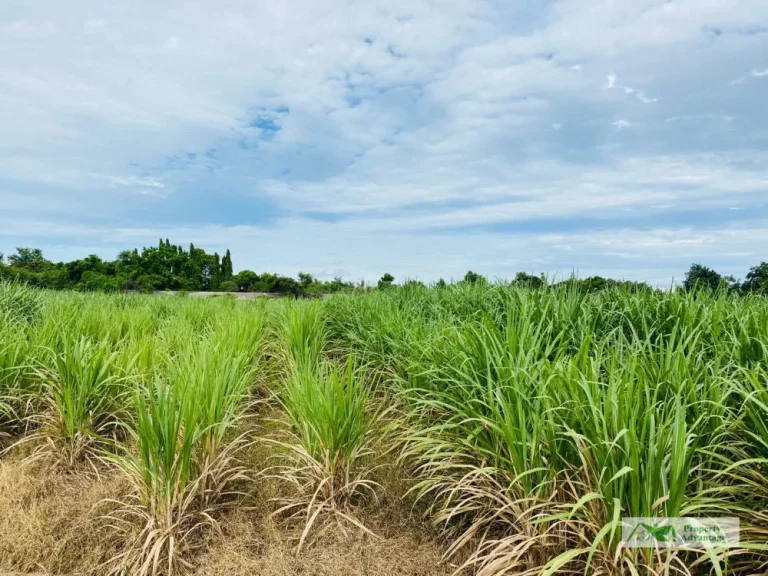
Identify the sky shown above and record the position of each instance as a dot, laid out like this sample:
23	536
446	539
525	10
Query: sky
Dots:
424	138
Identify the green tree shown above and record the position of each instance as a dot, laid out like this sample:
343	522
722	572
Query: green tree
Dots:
529	280
149	282
77	268
226	266
386	281
305	279
29	258
215	272
92	281
246	280
338	285
286	285
596	284
474	278
164	266
757	279
701	277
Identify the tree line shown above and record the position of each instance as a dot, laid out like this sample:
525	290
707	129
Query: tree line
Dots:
172	267
163	267
698	277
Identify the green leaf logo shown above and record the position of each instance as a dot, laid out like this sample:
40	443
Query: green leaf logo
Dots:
659	533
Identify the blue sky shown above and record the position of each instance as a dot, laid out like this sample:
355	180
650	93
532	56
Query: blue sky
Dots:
626	138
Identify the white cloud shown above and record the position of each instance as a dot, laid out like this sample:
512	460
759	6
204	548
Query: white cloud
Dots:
538	190
639	95
401	116
132	181
645	99
760	73
700	117
622	124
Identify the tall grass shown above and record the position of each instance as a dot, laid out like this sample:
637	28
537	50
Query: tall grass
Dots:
530	420
326	458
327	406
539	418
20	308
303	335
185	468
14	350
83	393
19	302
164	512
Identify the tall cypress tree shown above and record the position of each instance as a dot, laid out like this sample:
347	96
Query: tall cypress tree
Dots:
216	272
226	266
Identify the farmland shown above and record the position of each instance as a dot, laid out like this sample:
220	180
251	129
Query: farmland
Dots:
481	429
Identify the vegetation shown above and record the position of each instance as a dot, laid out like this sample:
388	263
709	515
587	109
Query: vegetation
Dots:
162	267
525	418
171	267
539	418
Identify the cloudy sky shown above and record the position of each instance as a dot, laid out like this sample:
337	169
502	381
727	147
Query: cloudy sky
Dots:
626	138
